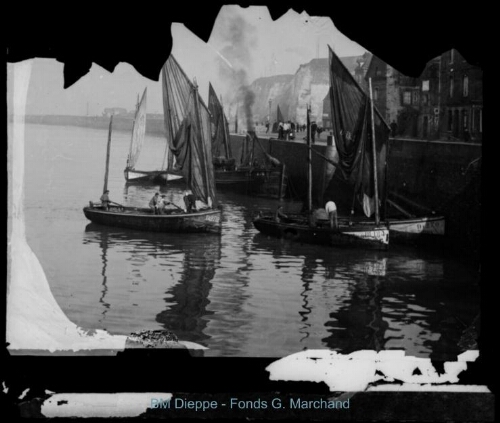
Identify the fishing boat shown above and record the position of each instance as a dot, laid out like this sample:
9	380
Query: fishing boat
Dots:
133	175
187	123
266	179
355	128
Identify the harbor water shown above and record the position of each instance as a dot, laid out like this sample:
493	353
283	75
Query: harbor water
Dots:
239	293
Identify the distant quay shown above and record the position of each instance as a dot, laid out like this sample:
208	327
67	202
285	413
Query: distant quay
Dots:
154	125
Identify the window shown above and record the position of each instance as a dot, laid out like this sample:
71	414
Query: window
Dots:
425	85
466	85
375	94
416	97
451	85
407	97
425	98
450	120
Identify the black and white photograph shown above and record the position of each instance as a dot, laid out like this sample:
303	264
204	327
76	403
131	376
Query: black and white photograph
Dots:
248	211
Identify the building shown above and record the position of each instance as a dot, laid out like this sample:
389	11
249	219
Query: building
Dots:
461	98
444	103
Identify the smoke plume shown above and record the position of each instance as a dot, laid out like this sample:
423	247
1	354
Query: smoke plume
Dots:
240	39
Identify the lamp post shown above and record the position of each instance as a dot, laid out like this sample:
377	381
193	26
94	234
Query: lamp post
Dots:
269	118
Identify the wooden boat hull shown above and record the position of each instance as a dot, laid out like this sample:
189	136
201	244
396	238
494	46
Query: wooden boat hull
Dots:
158	176
208	220
369	236
271	183
417	230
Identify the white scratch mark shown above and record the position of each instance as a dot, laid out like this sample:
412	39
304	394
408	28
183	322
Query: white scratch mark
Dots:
221	56
100	405
24	393
355	371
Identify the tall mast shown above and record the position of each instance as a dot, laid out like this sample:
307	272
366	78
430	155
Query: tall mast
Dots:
223	123
309	161
107	156
170	125
204	147
374	152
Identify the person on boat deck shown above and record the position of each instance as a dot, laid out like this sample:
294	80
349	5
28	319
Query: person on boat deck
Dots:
154	203
189	201
279	214
105	200
331	209
319	216
162	203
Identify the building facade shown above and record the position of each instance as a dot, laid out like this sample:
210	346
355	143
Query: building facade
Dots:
444	103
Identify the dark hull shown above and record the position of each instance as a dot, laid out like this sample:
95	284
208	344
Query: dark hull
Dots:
367	236
418	231
269	183
425	231
145	220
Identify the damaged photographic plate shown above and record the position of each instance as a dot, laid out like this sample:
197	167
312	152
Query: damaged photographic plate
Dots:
263	319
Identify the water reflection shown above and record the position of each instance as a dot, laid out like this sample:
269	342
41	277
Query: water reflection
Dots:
378	299
179	268
240	294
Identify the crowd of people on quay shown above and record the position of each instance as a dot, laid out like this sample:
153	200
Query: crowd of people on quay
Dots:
289	130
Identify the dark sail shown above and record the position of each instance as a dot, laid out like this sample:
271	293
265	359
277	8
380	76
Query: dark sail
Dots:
351	117
187	127
220	129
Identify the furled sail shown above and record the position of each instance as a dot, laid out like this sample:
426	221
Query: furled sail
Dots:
188	132
220	129
138	132
351	117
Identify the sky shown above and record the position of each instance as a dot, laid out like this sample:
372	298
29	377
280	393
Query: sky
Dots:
245	44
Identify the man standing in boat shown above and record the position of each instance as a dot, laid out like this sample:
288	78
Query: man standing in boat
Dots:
331	209
154	203
105	200
162	203
279	214
189	201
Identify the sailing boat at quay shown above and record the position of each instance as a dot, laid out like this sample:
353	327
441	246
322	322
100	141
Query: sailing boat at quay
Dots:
133	175
188	132
248	177
355	128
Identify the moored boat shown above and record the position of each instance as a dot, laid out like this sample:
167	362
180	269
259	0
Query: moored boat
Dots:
203	220
154	176
265	179
417	230
133	175
297	228
187	121
359	150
